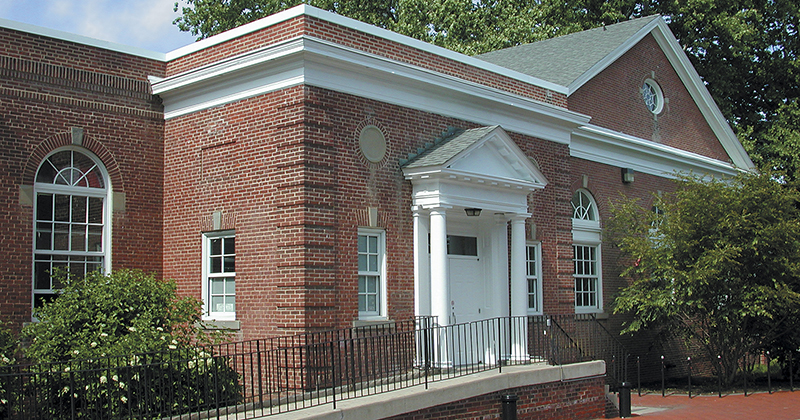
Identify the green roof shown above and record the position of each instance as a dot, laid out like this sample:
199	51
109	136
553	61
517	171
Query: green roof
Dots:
564	59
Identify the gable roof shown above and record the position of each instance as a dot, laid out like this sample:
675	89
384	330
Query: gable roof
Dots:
594	50
478	155
564	59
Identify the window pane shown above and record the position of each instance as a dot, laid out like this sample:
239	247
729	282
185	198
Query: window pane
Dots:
78	238
61	237
362	262
217	286
62	208
230	287
362	243
216	246
218	303
372	303
229	246
230	266
41	279
44	235
44	207
95	239
373	263
362	303
373	244
79	209
95	210
216	265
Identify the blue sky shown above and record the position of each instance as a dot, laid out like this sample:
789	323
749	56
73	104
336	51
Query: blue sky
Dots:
139	23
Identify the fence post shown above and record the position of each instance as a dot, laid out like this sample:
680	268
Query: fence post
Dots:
769	376
791	372
333	375
625	400
719	376
744	373
662	375
689	363
638	376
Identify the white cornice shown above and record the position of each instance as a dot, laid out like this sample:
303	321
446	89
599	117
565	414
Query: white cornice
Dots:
314	62
368	29
601	145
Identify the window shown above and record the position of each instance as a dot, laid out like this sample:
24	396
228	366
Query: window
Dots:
371	279
652	96
70	217
533	266
586	253
219	267
586	278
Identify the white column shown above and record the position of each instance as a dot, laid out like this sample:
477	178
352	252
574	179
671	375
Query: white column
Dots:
440	287
519	288
500	265
417	262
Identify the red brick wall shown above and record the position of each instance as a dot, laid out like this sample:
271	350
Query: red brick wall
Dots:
584	399
613	100
47	87
299	188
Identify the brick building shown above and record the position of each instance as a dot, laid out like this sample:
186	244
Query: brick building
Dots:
308	171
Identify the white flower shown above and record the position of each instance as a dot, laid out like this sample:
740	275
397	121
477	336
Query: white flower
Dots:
66	369
132	329
123	399
174	342
75	352
104	335
103	379
115	378
159	329
94	344
3	402
172	347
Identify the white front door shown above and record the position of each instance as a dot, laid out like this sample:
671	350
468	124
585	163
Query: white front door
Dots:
467	289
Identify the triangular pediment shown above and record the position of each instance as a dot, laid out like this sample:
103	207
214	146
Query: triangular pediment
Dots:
485	155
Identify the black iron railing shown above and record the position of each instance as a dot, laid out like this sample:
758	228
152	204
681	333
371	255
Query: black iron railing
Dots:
261	377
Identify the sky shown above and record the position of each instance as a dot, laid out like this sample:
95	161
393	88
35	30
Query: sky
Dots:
139	23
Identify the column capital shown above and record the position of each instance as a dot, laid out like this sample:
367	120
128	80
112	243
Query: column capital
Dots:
519	217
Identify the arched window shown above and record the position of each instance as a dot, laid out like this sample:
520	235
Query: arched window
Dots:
586	253
70	219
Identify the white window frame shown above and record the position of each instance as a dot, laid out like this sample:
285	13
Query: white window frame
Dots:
52	255
586	232
597	277
380	273
208	313
535	276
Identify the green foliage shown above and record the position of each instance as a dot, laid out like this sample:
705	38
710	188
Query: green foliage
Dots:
720	266
8	347
124	343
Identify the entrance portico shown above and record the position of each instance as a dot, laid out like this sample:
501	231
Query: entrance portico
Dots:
466	190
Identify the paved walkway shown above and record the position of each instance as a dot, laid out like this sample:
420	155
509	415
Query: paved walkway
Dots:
783	405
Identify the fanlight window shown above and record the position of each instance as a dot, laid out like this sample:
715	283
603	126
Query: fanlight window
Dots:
583	207
70	220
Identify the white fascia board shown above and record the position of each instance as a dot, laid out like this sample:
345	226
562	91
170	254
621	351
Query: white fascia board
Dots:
314	62
697	89
332	66
80	39
368	29
613	56
601	145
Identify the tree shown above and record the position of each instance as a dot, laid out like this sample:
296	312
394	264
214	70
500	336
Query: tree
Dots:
717	265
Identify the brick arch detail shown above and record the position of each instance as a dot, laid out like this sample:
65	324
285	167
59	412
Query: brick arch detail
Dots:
65	139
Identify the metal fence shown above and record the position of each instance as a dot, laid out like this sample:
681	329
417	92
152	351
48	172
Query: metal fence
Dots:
255	378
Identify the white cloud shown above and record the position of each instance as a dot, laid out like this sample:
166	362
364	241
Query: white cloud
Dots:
141	23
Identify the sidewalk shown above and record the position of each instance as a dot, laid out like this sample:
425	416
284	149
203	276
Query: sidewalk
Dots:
782	405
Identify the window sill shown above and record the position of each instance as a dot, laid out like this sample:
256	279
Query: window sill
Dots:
212	324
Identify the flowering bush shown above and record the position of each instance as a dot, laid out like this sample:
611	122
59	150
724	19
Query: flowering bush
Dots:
125	345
